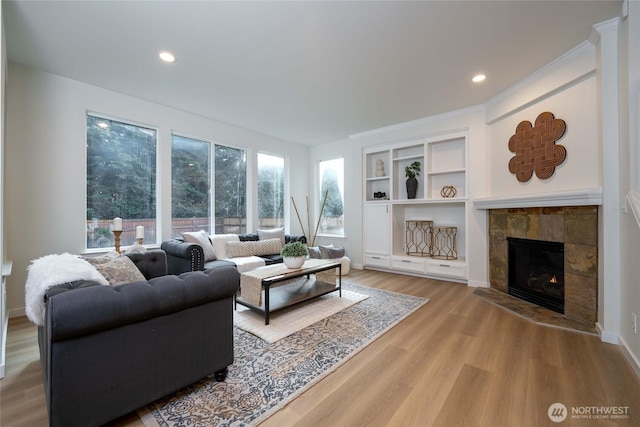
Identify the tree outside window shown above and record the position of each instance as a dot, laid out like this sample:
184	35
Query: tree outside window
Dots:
121	181
270	191
230	190
190	185
332	184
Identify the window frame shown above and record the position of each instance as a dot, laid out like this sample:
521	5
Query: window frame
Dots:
158	225
318	201
285	188
247	188
211	178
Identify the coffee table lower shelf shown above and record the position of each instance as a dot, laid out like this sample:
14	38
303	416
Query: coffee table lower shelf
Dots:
277	295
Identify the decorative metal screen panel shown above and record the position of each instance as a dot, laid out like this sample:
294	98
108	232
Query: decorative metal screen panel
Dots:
444	242
418	237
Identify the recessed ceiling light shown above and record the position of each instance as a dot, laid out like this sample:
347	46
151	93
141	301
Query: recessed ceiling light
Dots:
478	78
167	56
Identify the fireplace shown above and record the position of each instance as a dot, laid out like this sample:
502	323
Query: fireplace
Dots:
574	226
536	272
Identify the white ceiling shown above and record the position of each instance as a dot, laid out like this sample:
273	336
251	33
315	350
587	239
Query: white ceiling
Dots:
308	72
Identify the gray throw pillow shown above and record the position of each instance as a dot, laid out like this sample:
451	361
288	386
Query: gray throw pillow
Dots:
314	252
275	233
330	252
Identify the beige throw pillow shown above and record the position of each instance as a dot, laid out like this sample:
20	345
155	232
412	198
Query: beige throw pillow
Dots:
200	238
254	247
117	269
220	241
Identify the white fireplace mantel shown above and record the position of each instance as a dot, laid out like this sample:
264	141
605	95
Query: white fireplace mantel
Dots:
580	197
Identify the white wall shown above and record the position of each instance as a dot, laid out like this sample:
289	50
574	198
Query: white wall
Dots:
630	178
567	89
45	171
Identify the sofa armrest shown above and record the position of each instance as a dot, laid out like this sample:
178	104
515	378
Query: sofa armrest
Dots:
151	263
77	311
182	256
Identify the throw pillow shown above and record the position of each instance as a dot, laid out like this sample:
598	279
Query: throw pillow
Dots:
118	269
200	238
329	252
219	242
102	259
314	252
324	251
336	253
257	247
272	234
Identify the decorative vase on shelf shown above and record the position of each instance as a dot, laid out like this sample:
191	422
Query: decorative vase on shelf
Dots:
412	187
411	171
294	262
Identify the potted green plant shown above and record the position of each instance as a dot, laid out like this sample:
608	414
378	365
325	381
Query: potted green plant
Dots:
294	254
411	171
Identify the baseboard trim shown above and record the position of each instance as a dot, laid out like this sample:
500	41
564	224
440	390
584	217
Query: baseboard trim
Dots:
631	358
607	337
17	312
477	284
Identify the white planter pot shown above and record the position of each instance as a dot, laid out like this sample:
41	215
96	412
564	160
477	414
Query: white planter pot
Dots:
294	262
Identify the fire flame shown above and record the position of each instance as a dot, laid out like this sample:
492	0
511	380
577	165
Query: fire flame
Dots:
553	280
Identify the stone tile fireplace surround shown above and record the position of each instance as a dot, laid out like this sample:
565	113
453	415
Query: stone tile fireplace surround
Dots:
576	227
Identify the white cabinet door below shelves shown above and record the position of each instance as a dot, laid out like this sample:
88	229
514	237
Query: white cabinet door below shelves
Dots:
377	234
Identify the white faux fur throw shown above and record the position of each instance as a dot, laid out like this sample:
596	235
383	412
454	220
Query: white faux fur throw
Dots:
52	270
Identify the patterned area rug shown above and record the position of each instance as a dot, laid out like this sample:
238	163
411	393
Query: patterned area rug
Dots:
265	377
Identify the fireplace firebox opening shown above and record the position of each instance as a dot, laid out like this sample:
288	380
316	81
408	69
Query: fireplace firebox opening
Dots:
536	272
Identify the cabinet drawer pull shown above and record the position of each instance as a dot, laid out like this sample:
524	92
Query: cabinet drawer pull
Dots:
375	257
406	260
445	265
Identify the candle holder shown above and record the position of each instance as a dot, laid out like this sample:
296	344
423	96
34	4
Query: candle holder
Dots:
117	234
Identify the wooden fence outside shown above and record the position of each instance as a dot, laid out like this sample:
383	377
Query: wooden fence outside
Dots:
99	234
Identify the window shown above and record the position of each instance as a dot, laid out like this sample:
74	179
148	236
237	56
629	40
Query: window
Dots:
121	181
190	185
270	191
230	190
331	206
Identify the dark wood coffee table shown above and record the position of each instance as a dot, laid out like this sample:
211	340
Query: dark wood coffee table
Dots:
283	287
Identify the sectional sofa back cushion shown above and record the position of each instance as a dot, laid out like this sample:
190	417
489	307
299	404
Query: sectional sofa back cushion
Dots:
257	247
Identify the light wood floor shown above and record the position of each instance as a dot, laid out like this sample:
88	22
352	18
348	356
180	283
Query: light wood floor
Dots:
457	361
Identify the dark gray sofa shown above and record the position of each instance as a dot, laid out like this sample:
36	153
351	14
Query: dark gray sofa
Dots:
184	256
106	351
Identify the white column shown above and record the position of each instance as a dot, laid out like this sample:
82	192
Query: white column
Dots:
605	37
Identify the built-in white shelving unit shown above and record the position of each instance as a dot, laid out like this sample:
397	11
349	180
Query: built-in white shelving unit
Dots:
443	161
